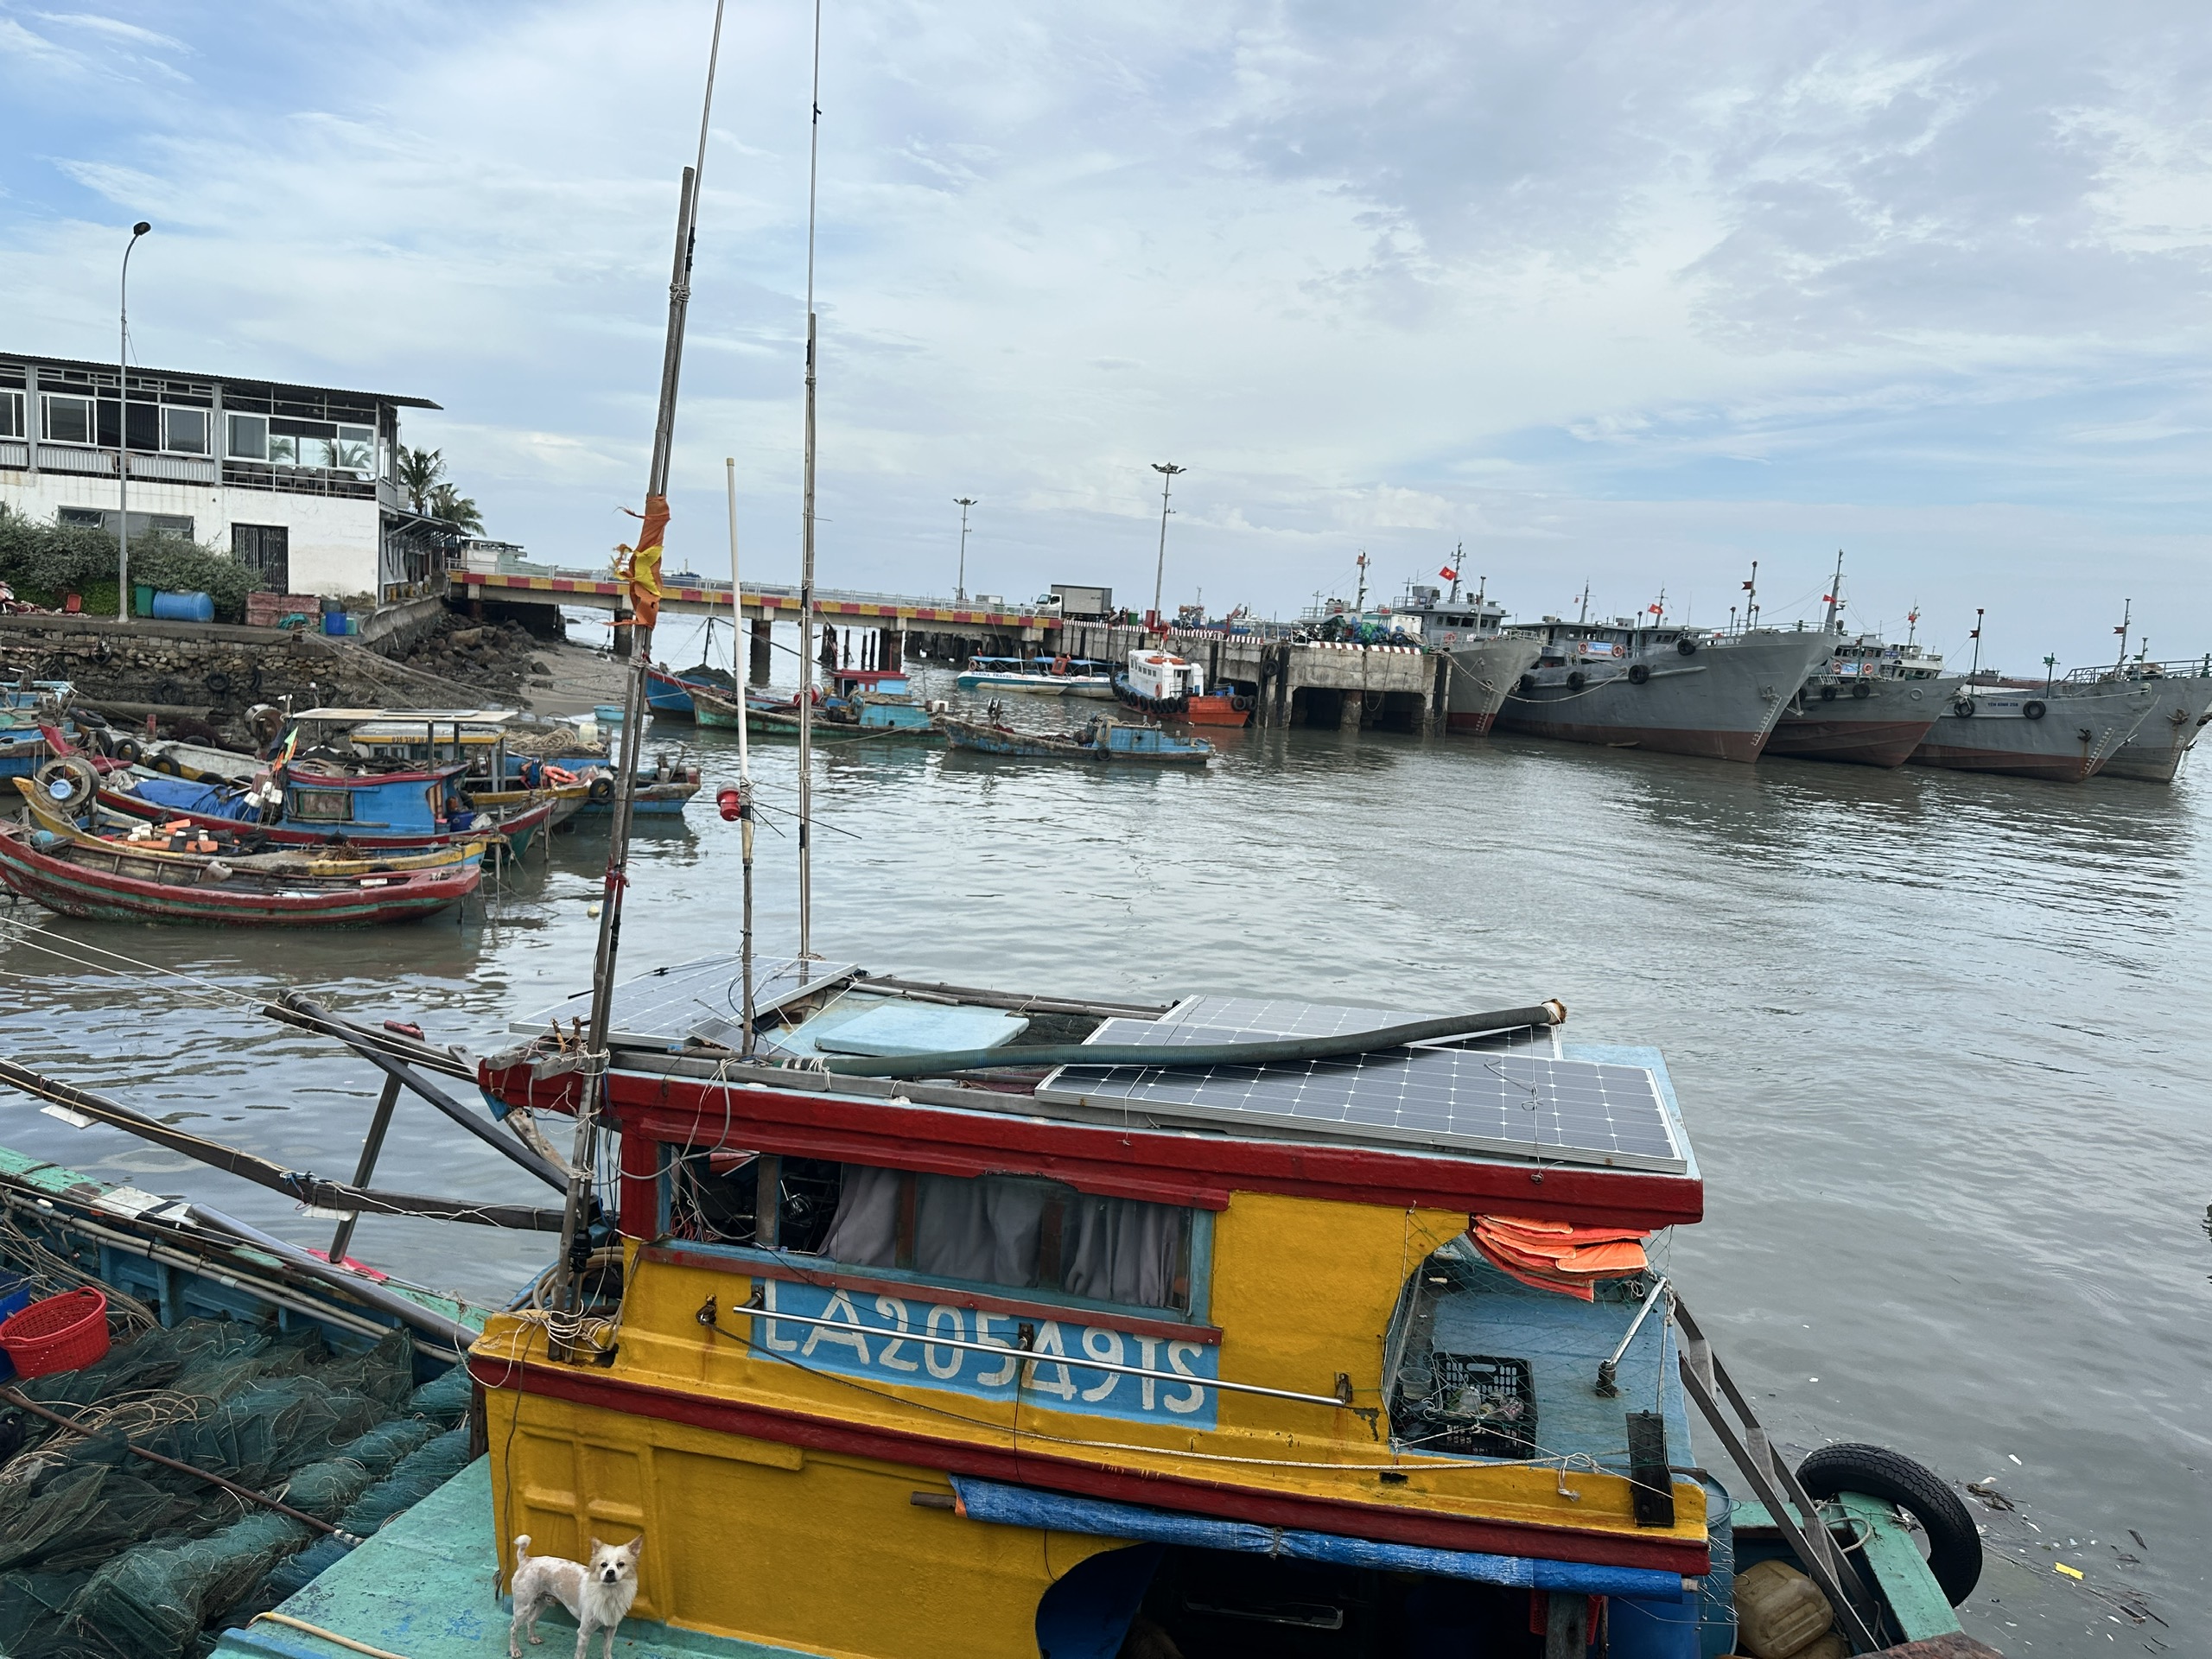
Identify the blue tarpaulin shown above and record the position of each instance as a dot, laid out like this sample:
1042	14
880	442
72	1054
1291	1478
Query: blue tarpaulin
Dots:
181	795
1024	1506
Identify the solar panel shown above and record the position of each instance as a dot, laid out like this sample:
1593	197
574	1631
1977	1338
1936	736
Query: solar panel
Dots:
661	1008
1523	1100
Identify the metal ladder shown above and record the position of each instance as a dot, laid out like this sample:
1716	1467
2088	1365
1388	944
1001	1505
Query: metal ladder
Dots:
1708	1382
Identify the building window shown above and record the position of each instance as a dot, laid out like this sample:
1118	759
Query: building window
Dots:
266	549
354	449
11	414
69	420
248	438
283	449
184	431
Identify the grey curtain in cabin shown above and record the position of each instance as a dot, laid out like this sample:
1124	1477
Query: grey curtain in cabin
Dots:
1011	1231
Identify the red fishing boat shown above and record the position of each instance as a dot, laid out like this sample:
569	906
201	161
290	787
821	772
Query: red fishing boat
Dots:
120	883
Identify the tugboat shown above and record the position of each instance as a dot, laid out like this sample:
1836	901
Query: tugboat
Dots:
1487	661
1168	686
979	1322
1631	683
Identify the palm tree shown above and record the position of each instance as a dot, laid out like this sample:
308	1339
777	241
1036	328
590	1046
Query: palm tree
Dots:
445	501
419	472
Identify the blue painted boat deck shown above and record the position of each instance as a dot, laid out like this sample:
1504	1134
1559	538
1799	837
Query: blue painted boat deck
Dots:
424	1586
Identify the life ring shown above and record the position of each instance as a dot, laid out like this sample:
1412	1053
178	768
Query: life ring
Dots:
1575	680
1953	1546
1687	645
1963	708
127	750
1828	694
1862	689
1638	673
2033	709
601	790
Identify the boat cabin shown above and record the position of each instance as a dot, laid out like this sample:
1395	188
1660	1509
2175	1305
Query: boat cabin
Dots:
963	1345
1868	656
1623	639
871	681
473	740
1455	619
1162	677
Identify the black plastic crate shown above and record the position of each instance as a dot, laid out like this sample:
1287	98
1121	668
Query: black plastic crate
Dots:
1479	1405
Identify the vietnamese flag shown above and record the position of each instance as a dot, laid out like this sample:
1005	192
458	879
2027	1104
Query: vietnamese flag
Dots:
1449	574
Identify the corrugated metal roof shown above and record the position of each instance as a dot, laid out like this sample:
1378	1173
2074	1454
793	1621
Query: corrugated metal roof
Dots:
226	379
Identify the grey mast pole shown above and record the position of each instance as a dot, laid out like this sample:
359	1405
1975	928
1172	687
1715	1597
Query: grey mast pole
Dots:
1166	471
122	428
806	543
582	1162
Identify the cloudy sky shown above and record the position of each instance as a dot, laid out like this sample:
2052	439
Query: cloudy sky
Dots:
1623	294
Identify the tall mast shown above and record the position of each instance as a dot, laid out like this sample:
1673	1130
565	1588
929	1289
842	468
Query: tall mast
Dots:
1752	598
1836	594
1976	670
806	540
744	762
1458	552
645	583
2126	621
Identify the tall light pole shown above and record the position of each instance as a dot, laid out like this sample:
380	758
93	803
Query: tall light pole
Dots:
1166	471
122	429
960	588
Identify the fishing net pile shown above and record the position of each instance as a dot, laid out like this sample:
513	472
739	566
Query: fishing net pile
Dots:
553	743
105	1556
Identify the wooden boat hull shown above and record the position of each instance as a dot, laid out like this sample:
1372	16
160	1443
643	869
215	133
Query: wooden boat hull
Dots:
1026	746
70	887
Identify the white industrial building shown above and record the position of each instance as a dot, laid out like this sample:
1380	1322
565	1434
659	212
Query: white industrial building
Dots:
300	482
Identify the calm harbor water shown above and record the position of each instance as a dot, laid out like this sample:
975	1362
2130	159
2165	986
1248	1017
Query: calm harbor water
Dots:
1941	1042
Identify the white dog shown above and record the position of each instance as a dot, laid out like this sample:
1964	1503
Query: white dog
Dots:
599	1596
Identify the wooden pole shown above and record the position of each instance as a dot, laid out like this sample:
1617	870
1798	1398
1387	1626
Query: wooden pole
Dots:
371	1146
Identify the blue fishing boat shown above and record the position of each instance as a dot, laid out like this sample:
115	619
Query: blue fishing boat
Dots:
668	691
1098	739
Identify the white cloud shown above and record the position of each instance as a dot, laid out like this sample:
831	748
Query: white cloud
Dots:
1591	290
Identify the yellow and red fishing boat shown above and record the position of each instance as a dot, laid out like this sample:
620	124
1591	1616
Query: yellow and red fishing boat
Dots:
949	1322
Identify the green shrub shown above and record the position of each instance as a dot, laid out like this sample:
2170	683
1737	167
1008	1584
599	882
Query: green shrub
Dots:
43	562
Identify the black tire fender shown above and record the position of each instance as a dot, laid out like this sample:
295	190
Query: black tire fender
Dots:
127	750
1528	684
1575	680
1687	645
1638	673
1963	708
2033	709
217	685
1862	689
599	791
1954	1545
1828	694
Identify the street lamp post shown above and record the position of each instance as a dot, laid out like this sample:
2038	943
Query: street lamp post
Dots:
960	586
1166	471
123	428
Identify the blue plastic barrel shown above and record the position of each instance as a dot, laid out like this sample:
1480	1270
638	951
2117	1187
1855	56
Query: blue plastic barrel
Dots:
334	621
183	608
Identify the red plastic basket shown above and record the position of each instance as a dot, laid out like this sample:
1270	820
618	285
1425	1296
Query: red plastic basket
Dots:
63	1333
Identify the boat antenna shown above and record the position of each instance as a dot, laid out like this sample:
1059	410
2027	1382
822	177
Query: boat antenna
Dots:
806	539
1835	595
642	568
2126	621
744	767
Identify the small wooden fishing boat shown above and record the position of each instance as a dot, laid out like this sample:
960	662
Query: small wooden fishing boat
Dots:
112	881
1049	676
836	720
243	849
1101	738
668	691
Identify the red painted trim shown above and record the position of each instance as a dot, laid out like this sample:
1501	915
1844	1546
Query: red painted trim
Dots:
1165	1167
638	1215
936	1295
1345	1518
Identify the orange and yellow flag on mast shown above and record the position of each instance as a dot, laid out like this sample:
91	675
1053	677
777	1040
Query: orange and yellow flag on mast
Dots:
640	566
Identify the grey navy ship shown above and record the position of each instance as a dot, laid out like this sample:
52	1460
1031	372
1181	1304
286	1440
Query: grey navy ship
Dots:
1661	685
1487	663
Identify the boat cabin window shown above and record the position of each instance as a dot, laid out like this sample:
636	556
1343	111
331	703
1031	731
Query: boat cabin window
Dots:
322	805
1012	1232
